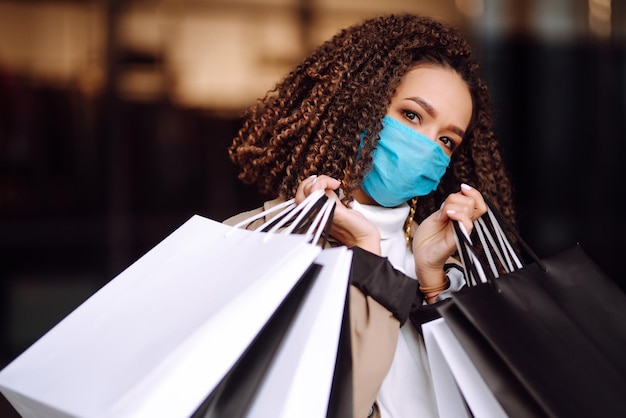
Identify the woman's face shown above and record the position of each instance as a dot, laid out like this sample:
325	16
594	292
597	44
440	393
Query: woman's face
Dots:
436	102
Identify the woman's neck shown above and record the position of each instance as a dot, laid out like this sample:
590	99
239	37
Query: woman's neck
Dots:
361	197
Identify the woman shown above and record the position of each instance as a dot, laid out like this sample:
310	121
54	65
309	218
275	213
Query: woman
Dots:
391	118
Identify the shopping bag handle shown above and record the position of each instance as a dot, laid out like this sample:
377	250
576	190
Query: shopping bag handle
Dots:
311	217
497	219
493	231
472	264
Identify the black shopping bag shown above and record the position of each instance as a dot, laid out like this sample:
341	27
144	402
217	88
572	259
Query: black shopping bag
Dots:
590	298
541	334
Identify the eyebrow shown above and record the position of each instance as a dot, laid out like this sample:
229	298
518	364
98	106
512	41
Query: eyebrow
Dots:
433	113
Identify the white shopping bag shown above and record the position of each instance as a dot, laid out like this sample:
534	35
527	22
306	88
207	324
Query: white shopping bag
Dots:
298	383
159	337
456	380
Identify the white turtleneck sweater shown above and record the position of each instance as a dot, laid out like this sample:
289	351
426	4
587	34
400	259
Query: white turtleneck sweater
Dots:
407	389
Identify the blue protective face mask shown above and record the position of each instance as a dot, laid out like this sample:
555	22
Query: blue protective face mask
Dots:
406	164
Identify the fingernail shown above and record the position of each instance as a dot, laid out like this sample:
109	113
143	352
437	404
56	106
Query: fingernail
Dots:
314	177
451	212
466	186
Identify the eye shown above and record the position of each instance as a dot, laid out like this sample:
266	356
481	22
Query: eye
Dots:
411	115
448	142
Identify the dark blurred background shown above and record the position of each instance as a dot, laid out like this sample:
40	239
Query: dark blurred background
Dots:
115	117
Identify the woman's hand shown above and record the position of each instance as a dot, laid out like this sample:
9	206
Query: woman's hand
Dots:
433	242
349	227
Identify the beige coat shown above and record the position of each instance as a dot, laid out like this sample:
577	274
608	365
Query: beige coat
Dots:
374	333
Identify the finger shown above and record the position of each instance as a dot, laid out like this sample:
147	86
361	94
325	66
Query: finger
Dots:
324	183
313	183
480	206
461	204
304	188
460	217
468	200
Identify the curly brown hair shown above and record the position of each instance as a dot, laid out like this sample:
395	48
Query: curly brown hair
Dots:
313	121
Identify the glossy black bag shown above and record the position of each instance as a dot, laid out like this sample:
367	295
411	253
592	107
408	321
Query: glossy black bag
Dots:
547	337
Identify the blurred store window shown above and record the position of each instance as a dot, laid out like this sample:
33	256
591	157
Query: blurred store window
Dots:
202	53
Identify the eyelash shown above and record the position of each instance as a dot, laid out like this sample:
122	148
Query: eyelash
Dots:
410	112
451	144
